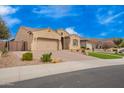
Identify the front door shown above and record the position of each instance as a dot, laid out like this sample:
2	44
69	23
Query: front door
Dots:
62	41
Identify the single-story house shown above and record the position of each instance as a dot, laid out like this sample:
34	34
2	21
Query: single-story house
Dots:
102	43
96	43
47	39
86	43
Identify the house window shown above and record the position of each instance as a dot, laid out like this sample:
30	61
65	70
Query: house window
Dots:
75	42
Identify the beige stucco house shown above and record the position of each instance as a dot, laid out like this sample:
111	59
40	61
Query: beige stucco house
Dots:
47	39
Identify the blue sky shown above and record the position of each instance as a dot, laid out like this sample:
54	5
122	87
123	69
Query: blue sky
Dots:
86	21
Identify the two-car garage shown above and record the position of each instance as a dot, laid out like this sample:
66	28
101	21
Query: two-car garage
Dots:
45	40
47	44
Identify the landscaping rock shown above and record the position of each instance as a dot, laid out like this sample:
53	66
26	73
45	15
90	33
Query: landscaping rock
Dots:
56	60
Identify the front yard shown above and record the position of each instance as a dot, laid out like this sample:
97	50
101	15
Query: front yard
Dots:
105	55
15	58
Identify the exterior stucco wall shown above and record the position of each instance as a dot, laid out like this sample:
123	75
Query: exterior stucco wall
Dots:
23	35
62	33
71	46
68	40
46	34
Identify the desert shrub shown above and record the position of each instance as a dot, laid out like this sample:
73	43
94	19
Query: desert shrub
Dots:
77	50
87	48
115	50
4	51
119	52
46	57
83	47
27	56
83	50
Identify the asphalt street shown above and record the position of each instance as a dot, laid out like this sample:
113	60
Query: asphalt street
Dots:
103	77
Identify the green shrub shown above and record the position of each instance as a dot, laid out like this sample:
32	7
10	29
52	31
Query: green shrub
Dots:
27	56
83	47
4	52
115	49
46	57
83	50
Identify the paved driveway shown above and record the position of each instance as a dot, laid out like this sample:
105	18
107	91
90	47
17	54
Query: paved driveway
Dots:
105	77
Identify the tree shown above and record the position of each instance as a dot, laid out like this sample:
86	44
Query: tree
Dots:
122	44
4	31
107	44
118	41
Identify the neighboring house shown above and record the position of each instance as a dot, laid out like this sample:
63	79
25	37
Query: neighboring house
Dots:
47	39
100	43
86	43
95	43
108	43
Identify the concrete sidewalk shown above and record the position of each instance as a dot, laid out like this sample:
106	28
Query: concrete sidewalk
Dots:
13	74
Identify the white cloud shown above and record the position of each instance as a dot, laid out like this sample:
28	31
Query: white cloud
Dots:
54	11
108	18
6	12
11	21
71	30
103	34
112	20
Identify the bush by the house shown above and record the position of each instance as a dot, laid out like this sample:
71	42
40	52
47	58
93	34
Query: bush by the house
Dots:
115	50
27	56
46	57
83	47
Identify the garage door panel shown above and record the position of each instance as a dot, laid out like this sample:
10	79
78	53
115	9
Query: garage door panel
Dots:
47	44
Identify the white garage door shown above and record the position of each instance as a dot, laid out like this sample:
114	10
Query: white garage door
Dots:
47	44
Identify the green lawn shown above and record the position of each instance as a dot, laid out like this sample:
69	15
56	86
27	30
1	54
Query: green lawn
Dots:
119	54
105	55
